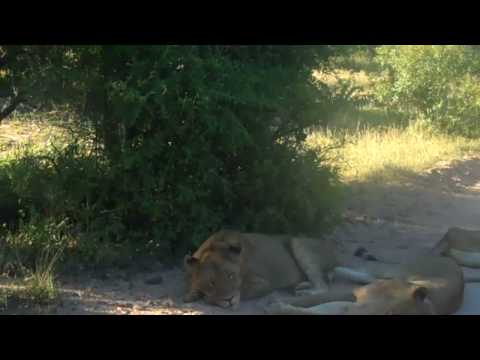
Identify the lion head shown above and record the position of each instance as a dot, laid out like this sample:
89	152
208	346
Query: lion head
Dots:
213	272
397	297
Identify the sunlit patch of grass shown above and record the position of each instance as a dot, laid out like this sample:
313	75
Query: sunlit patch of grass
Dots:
357	78
360	78
38	134
386	155
380	145
37	288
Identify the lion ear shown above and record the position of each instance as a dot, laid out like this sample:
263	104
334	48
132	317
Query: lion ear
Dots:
189	261
235	243
230	243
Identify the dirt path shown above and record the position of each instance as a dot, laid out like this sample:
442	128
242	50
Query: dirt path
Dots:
391	221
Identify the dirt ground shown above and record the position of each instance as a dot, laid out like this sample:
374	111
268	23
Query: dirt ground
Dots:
394	222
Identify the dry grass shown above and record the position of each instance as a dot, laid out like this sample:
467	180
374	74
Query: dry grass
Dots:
358	78
37	133
376	155
37	288
381	151
41	287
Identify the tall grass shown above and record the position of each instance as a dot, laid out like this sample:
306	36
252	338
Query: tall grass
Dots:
379	144
388	154
40	285
31	256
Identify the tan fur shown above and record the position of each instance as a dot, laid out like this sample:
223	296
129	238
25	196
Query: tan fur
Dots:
459	240
382	297
260	264
426	285
230	266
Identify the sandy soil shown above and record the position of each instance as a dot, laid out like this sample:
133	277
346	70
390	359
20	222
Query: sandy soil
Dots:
395	222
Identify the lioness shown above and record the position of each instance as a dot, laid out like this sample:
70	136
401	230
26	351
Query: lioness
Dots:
430	284
381	297
230	266
426	285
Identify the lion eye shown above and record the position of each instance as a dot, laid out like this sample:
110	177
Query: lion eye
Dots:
230	276
212	284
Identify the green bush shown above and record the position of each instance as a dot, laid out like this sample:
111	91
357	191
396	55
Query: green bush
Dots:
67	185
21	250
438	83
55	182
213	137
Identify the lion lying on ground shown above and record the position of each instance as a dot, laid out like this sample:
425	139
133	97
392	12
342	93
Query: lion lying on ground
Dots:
230	266
461	245
431	284
427	285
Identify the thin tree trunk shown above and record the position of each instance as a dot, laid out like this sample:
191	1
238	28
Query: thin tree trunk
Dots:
17	100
